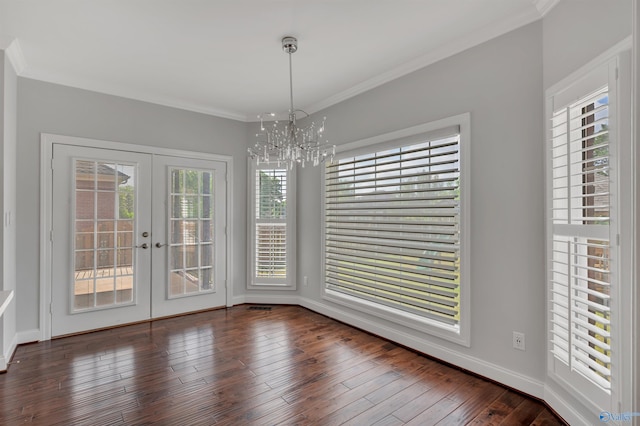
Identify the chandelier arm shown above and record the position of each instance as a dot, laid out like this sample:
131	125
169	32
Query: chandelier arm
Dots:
306	114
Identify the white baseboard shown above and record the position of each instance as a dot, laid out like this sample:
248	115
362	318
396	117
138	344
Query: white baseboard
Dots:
565	410
8	353
28	336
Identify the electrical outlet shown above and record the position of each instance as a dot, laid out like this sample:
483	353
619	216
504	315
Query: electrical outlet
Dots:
305	280
518	340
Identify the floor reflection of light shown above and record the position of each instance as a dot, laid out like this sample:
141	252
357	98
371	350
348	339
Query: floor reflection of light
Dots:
92	376
185	349
270	356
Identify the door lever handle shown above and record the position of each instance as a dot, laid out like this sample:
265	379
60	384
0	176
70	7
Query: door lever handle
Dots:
143	246
158	245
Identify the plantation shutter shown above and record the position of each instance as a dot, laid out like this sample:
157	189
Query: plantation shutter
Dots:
271	223
392	226
581	252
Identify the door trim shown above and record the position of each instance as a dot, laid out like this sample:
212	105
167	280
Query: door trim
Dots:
47	140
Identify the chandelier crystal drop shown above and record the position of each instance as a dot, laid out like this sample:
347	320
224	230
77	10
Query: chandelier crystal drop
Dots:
287	143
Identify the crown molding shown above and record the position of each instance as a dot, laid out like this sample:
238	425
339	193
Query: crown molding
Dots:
544	6
12	49
476	38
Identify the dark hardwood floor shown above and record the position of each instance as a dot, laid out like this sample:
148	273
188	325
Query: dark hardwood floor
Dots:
239	366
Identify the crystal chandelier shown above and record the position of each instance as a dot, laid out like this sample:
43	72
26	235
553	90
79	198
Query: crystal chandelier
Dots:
287	143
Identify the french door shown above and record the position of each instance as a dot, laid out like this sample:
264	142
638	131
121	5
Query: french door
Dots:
189	230
135	236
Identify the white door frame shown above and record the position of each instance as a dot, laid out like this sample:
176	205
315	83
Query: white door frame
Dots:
47	141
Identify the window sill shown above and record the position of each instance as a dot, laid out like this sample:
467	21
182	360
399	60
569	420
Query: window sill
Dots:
444	331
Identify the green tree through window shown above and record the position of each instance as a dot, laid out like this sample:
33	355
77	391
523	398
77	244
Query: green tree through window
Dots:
272	201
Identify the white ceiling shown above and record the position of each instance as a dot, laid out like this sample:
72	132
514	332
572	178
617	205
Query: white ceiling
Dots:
224	57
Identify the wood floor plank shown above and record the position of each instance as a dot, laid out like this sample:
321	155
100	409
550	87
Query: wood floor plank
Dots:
524	414
325	407
441	387
389	421
286	366
381	408
545	418
435	414
474	397
500	408
347	412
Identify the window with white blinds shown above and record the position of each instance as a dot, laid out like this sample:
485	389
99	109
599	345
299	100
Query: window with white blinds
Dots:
392	228
271	230
584	255
581	253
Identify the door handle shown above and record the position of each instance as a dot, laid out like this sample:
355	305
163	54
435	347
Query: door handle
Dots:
143	246
158	245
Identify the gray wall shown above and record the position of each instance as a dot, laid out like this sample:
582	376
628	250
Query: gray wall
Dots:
50	108
567	46
500	84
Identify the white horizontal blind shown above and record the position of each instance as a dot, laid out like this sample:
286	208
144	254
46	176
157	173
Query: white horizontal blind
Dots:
271	223
392	226
581	255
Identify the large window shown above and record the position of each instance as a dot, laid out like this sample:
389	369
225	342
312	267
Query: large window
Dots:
271	226
585	197
394	230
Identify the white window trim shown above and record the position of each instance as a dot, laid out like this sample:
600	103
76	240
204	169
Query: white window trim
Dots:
254	283
566	91
461	333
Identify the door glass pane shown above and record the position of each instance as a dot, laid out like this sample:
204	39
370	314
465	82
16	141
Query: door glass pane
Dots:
85	204
192	281
206	231
83	294
206	255
177	180
104	234
191	232
85	174
207	183
124	288
105	239
206	277
106	204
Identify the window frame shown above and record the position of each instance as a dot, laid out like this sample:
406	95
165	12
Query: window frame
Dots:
460	333
258	283
616	64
